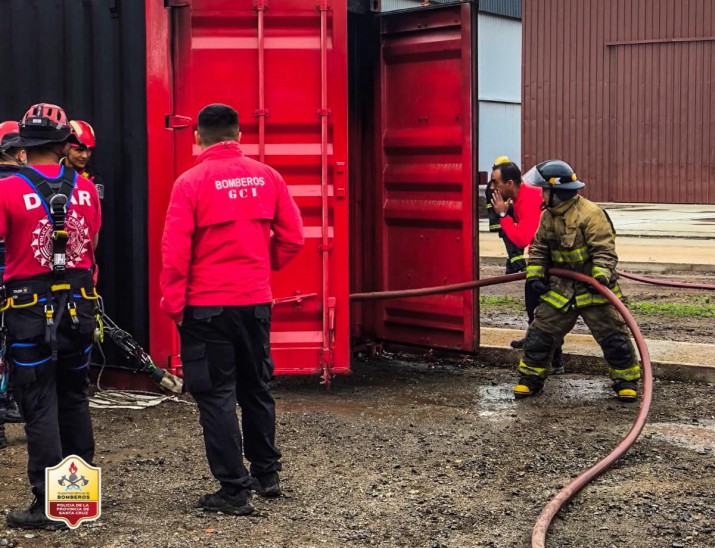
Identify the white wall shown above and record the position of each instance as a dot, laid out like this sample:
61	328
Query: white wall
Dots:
499	88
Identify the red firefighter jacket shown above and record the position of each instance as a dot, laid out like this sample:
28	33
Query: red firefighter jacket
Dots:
230	221
527	212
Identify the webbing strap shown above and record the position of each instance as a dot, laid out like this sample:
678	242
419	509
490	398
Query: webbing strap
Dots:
56	195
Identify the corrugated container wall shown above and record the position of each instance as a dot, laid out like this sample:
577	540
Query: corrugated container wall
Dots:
622	90
88	57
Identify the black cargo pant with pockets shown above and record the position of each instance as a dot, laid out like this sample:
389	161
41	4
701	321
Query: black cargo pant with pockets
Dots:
225	351
53	396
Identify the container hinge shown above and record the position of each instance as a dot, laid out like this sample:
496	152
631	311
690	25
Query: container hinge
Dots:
261	5
323	5
261	113
324	112
176	121
329	343
177	3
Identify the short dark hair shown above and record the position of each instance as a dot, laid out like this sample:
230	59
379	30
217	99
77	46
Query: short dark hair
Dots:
509	172
217	123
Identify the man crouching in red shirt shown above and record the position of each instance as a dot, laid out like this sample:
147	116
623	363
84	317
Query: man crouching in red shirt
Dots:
50	219
217	256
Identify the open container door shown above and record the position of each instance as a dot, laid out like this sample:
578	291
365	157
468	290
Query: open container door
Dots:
426	182
282	65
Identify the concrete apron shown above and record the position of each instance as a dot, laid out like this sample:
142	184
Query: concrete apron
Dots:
676	361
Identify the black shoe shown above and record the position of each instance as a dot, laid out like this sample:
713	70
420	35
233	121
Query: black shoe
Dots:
267	486
33	518
11	413
517	343
221	501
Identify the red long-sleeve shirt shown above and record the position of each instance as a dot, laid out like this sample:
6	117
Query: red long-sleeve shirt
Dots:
527	212
217	248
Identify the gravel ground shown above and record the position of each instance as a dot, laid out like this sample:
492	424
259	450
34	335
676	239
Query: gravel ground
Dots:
418	451
409	452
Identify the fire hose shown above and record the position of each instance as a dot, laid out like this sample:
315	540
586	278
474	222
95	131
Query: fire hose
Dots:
668	283
538	537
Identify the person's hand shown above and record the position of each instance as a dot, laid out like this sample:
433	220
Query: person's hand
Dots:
498	204
605	282
537	286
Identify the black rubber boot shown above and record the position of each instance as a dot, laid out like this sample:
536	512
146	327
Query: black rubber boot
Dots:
528	386
238	504
33	518
626	391
267	486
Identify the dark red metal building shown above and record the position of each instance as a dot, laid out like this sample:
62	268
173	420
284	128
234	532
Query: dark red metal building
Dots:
622	90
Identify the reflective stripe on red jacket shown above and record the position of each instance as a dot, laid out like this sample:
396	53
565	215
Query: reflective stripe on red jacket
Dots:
230	221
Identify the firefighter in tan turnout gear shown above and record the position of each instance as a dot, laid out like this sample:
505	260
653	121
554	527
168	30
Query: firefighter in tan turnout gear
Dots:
574	234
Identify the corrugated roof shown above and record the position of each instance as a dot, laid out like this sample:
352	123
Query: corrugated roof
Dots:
506	8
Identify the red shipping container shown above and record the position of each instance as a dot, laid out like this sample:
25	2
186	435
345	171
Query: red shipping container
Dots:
283	64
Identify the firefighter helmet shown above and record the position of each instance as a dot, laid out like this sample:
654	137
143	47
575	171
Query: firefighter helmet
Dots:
553	174
84	133
43	124
500	160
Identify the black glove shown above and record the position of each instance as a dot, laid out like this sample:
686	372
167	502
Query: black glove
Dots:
537	286
600	279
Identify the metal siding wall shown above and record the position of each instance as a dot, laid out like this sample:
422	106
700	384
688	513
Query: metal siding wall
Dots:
88	57
622	90
499	53
499	131
499	58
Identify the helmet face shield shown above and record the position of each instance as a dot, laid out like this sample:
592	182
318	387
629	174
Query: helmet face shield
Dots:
534	178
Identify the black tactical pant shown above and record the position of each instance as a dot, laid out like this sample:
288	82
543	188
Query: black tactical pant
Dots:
52	397
515	261
226	359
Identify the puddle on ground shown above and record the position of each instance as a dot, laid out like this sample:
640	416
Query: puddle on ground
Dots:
697	437
497	402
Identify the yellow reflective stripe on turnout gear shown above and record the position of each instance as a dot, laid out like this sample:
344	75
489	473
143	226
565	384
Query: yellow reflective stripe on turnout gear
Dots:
494	227
534	271
555	300
597	271
586	299
531	370
516	258
630	374
578	255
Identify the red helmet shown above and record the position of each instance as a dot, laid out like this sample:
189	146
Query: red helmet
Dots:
9	127
45	123
84	133
9	135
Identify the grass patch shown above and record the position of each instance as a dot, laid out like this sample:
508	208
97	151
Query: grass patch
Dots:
676	310
498	300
